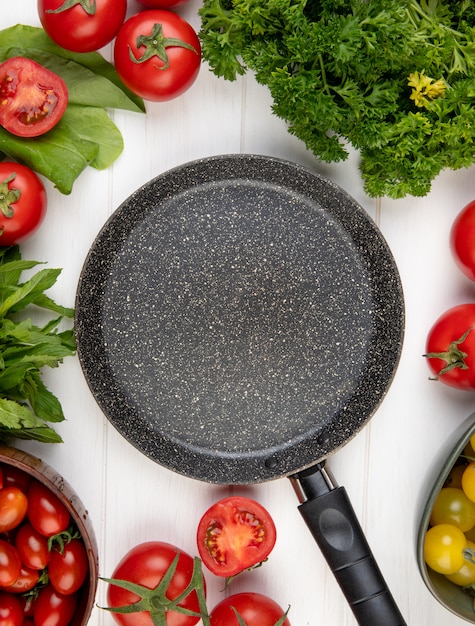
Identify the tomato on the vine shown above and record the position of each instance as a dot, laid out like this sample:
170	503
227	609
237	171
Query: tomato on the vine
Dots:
22	203
82	25
146	565
46	513
254	609
444	547
450	347
157	54
462	240
68	567
10	564
53	608
235	534
11	610
32	98
32	547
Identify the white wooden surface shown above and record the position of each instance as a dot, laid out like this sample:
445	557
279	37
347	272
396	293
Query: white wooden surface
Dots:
131	499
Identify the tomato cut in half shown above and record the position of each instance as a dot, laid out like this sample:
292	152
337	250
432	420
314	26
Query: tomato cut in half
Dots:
32	98
235	534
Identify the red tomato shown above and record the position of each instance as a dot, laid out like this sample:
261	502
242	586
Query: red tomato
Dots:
47	514
162	4
26	580
450	347
146	564
15	477
53	609
254	609
235	534
22	203
32	99
32	547
462	240
157	54
67	570
11	610
82	25
13	507
10	564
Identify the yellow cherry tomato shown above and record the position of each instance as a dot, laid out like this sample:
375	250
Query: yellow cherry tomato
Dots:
452	506
468	481
443	548
465	576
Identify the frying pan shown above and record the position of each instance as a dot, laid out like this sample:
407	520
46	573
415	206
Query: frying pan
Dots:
238	319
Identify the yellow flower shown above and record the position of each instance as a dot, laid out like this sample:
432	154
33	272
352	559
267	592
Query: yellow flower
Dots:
425	88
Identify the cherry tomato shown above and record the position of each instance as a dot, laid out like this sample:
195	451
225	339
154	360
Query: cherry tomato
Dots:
11	610
468	481
254	609
10	564
450	347
443	548
22	203
462	240
32	547
162	4
13	507
15	477
32	99
67	569
157	54
82	25
465	576
146	564
235	534
53	609
26	580
452	506
47	514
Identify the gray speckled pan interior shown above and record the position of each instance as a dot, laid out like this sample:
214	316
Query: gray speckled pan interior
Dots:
239	318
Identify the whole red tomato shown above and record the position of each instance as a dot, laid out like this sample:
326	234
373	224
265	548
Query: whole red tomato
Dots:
162	4
462	240
254	609
68	568
82	25
13	507
27	579
11	610
46	513
23	203
157	54
10	564
33	98
32	547
235	534
146	564
53	609
450	347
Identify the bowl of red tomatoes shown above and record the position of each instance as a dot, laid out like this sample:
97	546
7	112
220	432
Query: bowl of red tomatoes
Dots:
446	530
48	548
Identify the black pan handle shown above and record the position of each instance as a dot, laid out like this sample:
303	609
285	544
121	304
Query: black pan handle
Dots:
328	513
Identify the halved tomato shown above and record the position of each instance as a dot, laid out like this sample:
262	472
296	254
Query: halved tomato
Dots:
235	534
32	98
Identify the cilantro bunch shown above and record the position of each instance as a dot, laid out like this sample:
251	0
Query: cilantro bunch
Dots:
26	405
395	79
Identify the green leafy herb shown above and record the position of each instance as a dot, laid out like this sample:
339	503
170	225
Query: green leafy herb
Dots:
85	135
393	78
26	405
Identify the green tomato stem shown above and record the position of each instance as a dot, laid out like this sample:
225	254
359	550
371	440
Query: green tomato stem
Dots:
156	45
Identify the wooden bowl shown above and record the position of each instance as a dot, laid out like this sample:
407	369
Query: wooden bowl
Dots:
42	472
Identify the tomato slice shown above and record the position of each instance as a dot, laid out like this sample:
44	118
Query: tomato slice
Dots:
32	98
235	534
